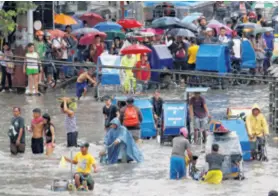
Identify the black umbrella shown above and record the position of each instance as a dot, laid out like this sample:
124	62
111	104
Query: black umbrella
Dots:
167	23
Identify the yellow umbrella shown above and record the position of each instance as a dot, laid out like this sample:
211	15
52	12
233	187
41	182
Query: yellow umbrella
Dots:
64	19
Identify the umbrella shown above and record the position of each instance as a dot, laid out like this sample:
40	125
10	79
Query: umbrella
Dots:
74	27
250	25
167	23
112	34
190	18
155	31
135	49
262	5
84	30
129	23
181	32
108	26
64	19
196	14
92	19
191	26
89	38
262	30
145	34
56	33
214	24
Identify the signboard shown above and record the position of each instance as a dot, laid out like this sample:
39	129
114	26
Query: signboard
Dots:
174	114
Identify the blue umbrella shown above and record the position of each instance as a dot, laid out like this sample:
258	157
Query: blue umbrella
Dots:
108	26
190	18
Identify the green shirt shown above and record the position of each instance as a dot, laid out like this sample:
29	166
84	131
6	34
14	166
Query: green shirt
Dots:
40	48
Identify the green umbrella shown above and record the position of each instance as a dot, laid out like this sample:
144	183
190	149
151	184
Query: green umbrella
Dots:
262	5
112	34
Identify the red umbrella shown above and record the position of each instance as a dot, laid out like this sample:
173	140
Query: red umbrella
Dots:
92	19
56	33
129	23
89	38
135	49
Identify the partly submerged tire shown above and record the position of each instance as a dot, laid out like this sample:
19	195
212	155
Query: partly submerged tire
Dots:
240	75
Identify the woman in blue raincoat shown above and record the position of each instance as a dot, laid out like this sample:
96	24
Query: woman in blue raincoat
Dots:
120	145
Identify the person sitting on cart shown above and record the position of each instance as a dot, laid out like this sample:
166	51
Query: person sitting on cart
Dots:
129	61
257	127
177	160
157	103
199	115
84	162
81	84
215	161
120	145
131	117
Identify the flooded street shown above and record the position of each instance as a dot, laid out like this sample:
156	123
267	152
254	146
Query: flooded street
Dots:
28	174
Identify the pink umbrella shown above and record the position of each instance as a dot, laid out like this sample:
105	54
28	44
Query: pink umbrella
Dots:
92	19
217	27
89	38
155	31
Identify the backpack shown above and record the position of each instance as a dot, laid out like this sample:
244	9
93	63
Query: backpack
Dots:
131	118
180	54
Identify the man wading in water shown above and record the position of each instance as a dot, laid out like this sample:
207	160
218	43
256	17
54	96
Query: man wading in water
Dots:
81	85
37	126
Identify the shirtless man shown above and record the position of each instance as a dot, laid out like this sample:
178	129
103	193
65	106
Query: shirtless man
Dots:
37	142
81	85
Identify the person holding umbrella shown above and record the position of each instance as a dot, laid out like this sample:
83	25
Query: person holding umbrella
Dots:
96	49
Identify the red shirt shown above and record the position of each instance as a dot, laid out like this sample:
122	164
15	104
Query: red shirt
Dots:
143	74
98	52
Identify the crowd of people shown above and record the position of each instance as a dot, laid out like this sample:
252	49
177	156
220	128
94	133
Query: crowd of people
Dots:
183	49
123	134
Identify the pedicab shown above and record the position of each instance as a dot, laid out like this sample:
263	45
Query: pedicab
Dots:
109	83
174	117
236	122
229	147
148	129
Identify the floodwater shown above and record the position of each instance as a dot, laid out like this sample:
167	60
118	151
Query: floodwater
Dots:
28	174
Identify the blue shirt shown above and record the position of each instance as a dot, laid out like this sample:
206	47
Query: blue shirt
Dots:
269	39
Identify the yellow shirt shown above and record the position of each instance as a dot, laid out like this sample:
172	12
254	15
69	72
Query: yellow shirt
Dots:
85	162
129	62
192	54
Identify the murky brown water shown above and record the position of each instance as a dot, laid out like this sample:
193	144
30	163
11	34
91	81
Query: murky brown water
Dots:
32	175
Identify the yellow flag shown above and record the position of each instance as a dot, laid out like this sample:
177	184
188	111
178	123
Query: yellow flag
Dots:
62	163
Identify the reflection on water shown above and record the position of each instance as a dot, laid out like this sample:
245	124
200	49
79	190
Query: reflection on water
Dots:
32	175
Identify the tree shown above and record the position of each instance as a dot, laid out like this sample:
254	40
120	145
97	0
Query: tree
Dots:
7	18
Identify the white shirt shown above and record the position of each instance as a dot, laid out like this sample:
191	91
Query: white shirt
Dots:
223	39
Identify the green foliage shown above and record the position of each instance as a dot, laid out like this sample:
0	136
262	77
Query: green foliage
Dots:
7	23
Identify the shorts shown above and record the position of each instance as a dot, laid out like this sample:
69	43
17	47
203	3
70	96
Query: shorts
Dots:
37	145
177	167
72	139
88	178
48	69
213	177
80	88
136	133
17	149
200	123
32	71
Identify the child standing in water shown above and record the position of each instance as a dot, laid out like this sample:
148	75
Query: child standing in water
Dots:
70	123
37	142
49	134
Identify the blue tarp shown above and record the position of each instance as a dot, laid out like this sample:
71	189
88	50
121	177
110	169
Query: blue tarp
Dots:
110	76
213	57
175	3
239	127
248	55
174	117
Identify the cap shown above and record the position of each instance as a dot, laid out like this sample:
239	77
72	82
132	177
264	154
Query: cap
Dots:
184	131
130	100
39	33
106	98
208	29
86	145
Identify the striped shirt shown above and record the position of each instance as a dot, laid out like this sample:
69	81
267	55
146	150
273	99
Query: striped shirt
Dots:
70	124
32	63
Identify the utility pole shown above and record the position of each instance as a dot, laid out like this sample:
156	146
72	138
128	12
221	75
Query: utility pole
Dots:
30	27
